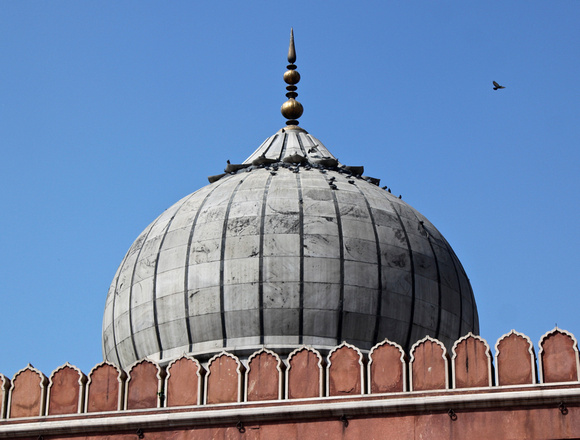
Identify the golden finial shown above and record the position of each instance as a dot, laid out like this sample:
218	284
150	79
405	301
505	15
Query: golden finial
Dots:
291	109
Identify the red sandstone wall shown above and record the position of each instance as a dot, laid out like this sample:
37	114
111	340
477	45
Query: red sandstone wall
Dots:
144	385
517	423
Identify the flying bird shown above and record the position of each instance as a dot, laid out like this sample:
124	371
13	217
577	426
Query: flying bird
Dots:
497	86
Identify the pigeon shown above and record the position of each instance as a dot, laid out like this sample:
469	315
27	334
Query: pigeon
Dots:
497	86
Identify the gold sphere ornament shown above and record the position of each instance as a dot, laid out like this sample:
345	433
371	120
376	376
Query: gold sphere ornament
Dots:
291	77
292	109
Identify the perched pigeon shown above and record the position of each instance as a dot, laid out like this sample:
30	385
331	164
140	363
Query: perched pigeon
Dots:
497	86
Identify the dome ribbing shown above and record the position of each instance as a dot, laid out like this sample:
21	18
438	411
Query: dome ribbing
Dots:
291	248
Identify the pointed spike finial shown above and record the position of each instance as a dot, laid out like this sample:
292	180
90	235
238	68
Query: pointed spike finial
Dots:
291	49
291	109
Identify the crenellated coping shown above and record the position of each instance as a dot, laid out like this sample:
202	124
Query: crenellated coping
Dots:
515	360
304	374
471	363
105	388
345	371
27	396
144	385
184	382
66	391
224	379
558	357
387	368
265	376
429	365
4	391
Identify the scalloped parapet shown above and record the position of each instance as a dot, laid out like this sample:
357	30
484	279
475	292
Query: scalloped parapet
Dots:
144	386
429	366
105	388
184	382
264	376
4	391
387	368
27	396
66	391
345	371
471	362
223	383
515	361
304	374
558	357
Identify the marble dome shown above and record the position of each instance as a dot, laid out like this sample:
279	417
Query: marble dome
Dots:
288	248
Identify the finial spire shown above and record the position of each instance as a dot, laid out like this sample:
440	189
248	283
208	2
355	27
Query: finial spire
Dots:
291	49
291	109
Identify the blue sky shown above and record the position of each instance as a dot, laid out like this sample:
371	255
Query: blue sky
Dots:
112	111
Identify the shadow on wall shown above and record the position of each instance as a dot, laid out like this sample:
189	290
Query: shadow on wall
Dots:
264	376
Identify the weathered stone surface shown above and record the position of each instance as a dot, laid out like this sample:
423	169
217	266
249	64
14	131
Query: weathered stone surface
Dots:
304	374
387	368
486	424
264	376
285	256
558	357
428	365
515	360
345	371
105	388
27	393
144	385
183	383
66	391
224	379
471	362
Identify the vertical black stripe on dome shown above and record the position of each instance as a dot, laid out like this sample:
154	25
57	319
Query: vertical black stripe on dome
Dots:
113	311
186	276
270	144
131	289
439	293
222	257
261	261
301	234
474	314
284	145
155	318
453	258
379	311
413	284
301	287
341	248
301	144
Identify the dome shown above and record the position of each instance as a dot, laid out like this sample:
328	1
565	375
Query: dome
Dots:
289	248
